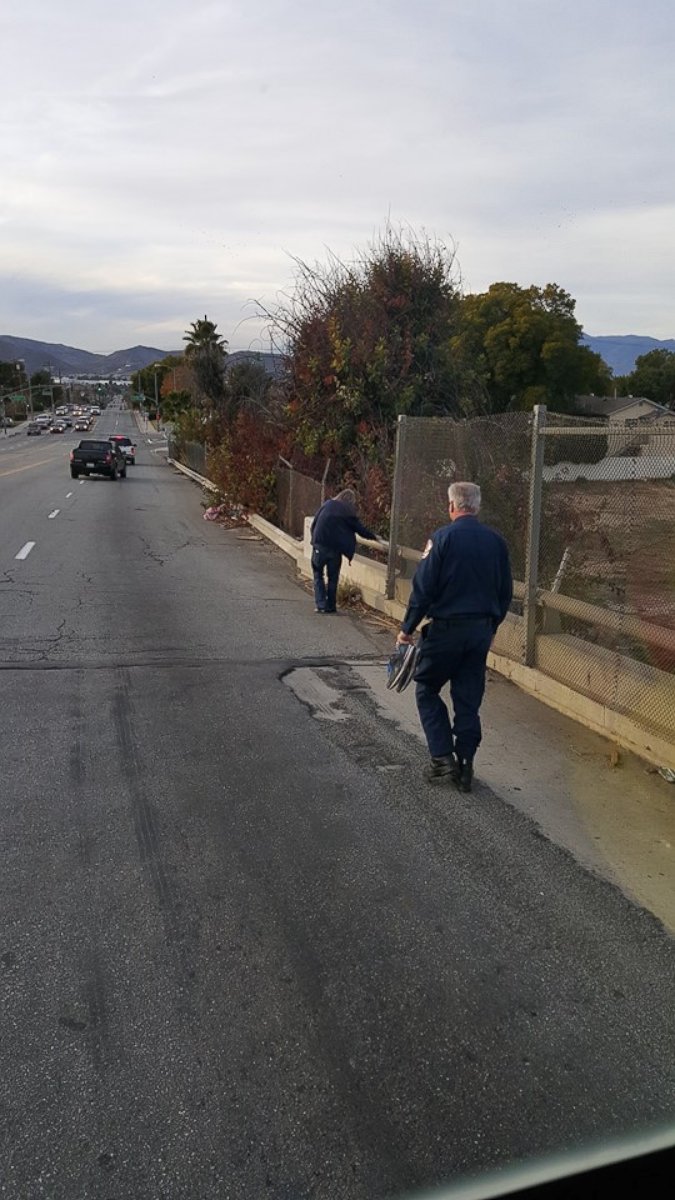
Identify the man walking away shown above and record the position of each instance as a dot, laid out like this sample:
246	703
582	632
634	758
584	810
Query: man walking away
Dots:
463	583
334	531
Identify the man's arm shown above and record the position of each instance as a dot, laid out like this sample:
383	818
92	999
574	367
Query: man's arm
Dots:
424	587
505	582
363	531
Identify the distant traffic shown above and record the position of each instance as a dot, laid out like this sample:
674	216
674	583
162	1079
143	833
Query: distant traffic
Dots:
79	417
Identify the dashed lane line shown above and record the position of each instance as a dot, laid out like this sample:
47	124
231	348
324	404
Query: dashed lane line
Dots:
24	551
53	514
68	495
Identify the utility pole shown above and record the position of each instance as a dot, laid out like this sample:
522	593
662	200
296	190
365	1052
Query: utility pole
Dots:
156	399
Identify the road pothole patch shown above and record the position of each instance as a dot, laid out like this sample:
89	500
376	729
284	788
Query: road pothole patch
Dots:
323	701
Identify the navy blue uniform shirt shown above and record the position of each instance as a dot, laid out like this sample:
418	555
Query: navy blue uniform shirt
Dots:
335	527
465	571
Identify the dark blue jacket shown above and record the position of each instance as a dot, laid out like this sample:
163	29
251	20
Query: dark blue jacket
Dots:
465	572
335	527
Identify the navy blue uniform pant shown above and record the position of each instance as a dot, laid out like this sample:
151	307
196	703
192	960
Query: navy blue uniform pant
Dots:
326	571
455	653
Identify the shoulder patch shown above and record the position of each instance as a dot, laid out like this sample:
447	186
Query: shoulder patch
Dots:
428	548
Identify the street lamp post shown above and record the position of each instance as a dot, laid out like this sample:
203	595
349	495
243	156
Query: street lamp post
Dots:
21	362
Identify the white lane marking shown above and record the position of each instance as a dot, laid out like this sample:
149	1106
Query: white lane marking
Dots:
25	550
81	482
53	514
68	495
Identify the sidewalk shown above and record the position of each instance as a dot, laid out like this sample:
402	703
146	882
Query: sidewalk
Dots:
612	811
617	820
17	429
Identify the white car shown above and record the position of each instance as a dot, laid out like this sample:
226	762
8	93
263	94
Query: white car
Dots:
126	446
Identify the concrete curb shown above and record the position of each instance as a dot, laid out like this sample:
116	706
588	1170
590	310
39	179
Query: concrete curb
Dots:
206	483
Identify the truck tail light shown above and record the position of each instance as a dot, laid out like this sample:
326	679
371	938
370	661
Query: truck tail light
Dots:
72	456
108	458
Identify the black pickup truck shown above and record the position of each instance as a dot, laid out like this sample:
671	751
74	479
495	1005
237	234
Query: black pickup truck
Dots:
98	457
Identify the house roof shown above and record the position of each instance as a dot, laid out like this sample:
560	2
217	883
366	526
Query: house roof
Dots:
606	406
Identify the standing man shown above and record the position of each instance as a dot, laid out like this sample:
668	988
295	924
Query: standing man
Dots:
334	531
463	583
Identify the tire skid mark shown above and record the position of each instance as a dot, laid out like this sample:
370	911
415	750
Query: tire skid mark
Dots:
145	824
90	979
94	995
76	773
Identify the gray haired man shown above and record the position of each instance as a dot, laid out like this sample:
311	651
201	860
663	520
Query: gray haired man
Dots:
463	583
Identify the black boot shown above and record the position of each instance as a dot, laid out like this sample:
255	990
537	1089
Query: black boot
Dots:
464	774
440	768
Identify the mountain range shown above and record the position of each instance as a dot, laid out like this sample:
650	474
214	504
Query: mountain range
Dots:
619	352
67	360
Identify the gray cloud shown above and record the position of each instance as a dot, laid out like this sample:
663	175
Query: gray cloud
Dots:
165	161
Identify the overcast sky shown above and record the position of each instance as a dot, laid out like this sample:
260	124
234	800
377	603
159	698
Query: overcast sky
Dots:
160	160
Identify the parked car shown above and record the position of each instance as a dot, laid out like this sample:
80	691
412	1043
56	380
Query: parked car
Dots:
98	457
6	422
126	445
34	429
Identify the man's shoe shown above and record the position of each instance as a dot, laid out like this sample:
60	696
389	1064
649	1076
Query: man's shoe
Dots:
319	610
464	776
440	768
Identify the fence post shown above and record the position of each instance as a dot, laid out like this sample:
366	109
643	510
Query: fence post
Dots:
324	479
394	518
533	531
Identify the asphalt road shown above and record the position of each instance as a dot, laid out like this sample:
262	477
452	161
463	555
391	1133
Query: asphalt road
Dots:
244	951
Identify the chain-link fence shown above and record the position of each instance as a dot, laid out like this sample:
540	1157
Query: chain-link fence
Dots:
588	510
298	496
606	564
432	452
190	454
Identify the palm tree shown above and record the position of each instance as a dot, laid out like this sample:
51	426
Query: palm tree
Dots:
203	335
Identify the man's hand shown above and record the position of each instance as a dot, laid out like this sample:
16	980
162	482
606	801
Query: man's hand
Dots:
404	639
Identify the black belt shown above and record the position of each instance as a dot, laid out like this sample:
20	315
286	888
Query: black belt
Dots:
462	619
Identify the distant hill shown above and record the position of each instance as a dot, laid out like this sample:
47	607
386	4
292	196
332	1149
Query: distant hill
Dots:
621	351
273	363
68	360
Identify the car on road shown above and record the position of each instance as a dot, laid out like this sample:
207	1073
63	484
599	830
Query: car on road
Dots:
81	425
6	423
126	445
34	429
58	427
98	456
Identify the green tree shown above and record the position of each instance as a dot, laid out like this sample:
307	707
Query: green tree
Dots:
248	386
524	345
143	381
654	377
11	377
205	353
201	334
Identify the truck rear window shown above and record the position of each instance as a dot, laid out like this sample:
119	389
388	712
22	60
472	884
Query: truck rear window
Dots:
96	447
